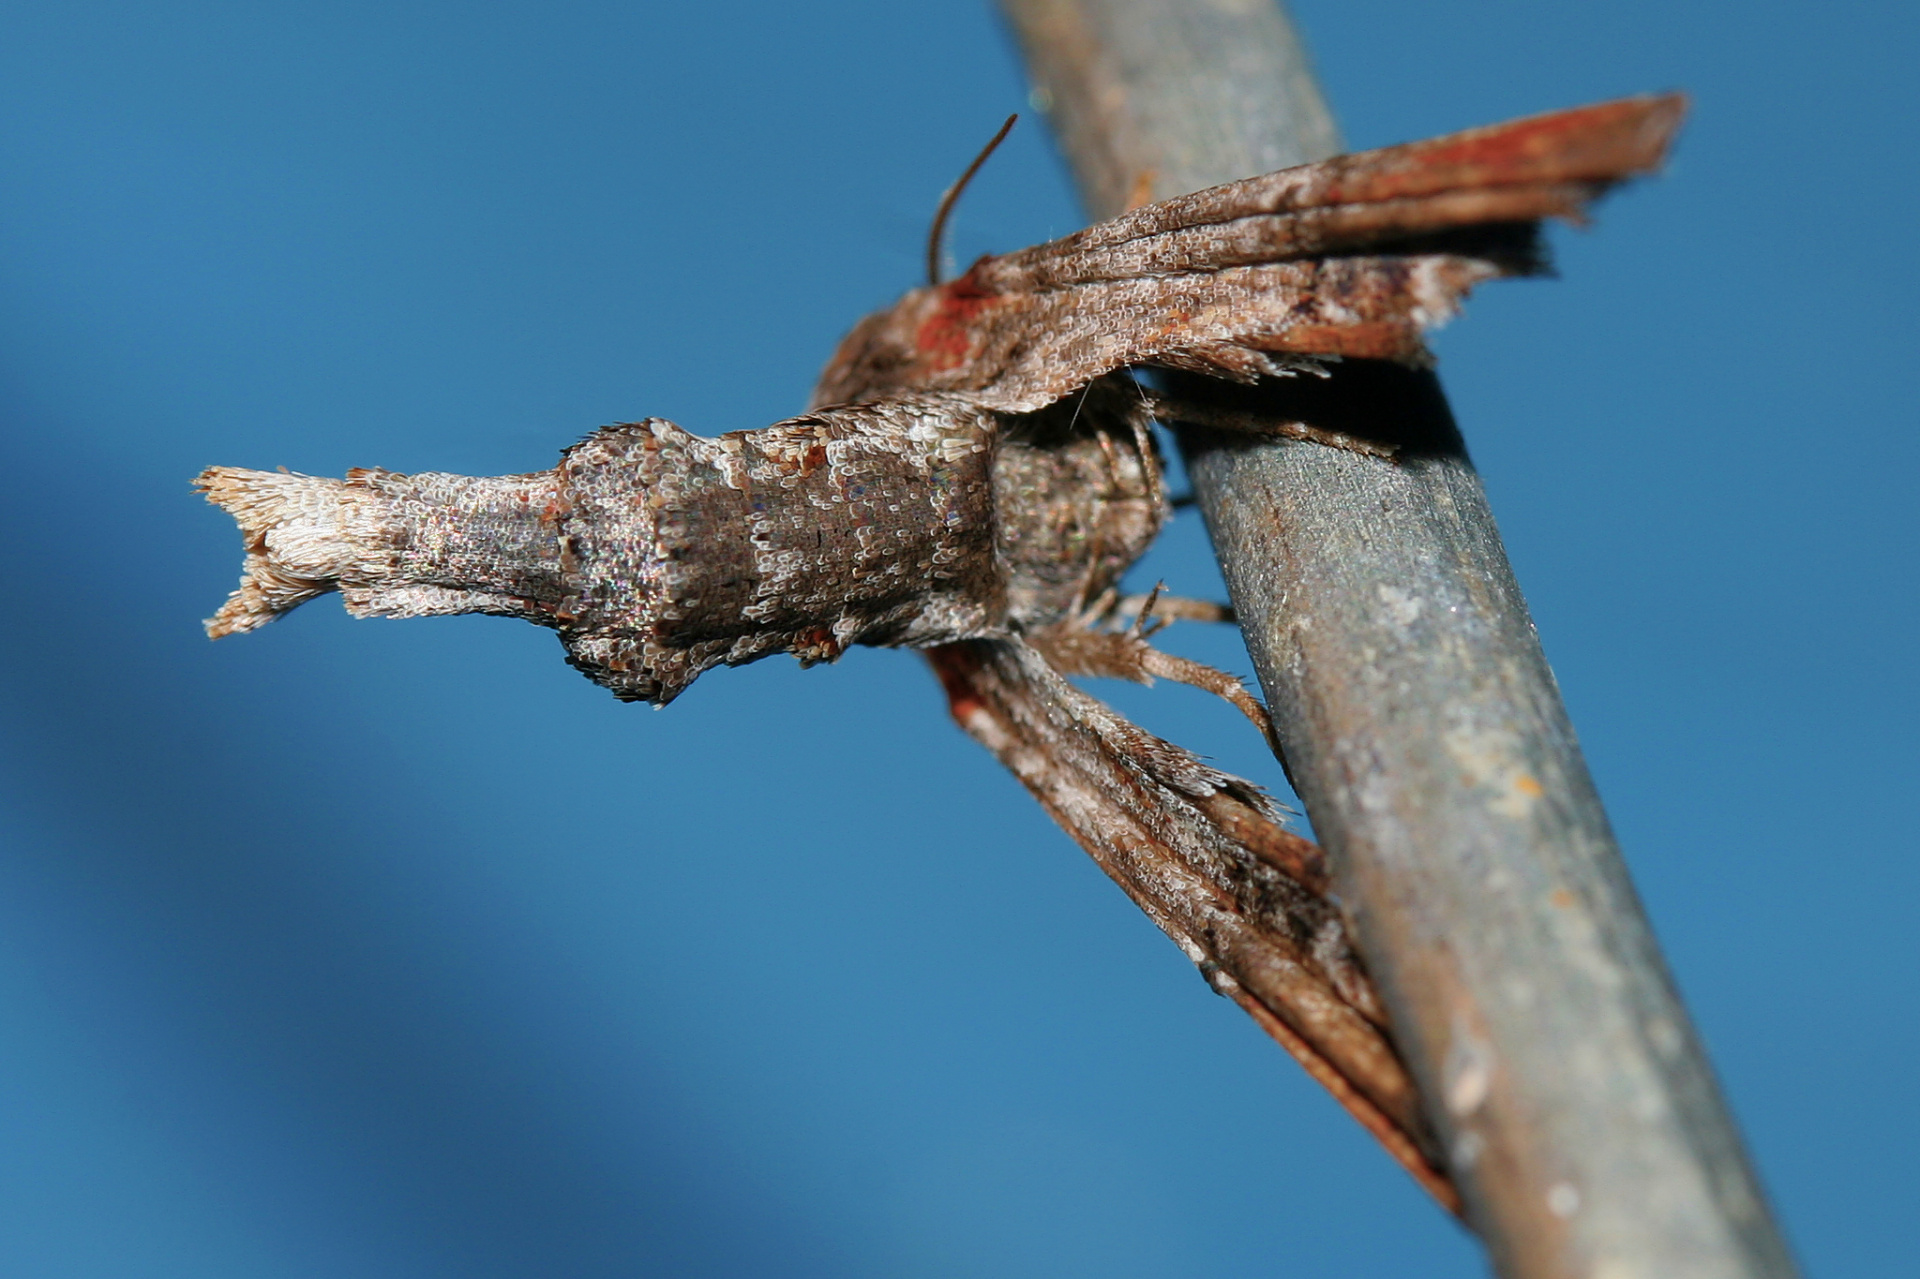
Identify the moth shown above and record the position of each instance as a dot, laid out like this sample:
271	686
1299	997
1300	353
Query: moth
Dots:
975	476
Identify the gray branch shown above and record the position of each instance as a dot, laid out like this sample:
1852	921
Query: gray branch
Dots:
1422	726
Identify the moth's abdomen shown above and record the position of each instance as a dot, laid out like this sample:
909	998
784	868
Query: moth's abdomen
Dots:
657	554
393	545
864	525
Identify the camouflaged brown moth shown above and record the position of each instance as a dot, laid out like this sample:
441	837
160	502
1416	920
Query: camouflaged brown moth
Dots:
975	476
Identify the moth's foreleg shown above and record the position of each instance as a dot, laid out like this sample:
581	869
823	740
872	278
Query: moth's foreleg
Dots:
1145	614
1170	608
1075	647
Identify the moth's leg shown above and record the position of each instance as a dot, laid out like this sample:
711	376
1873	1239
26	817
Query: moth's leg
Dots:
1077	647
1172	608
1173	408
1085	602
1141	420
1183	670
1145	614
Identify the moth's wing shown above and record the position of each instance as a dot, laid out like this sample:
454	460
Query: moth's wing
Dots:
1204	854
1355	256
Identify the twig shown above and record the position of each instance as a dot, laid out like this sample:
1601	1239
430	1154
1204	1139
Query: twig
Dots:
1423	728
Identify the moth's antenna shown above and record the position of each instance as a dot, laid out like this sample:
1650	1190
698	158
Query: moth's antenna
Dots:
938	232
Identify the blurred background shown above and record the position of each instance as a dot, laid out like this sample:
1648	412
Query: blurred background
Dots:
383	949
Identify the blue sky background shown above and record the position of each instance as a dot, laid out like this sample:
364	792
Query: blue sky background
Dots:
399	950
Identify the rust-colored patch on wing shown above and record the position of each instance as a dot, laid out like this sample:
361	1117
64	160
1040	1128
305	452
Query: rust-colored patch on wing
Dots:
1375	340
1601	143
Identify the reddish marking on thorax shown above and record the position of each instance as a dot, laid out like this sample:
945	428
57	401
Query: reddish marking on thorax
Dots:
945	338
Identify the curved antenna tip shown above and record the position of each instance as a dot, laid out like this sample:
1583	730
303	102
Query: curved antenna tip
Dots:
937	234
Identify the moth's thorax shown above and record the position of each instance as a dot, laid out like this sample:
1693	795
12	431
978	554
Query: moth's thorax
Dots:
1076	502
